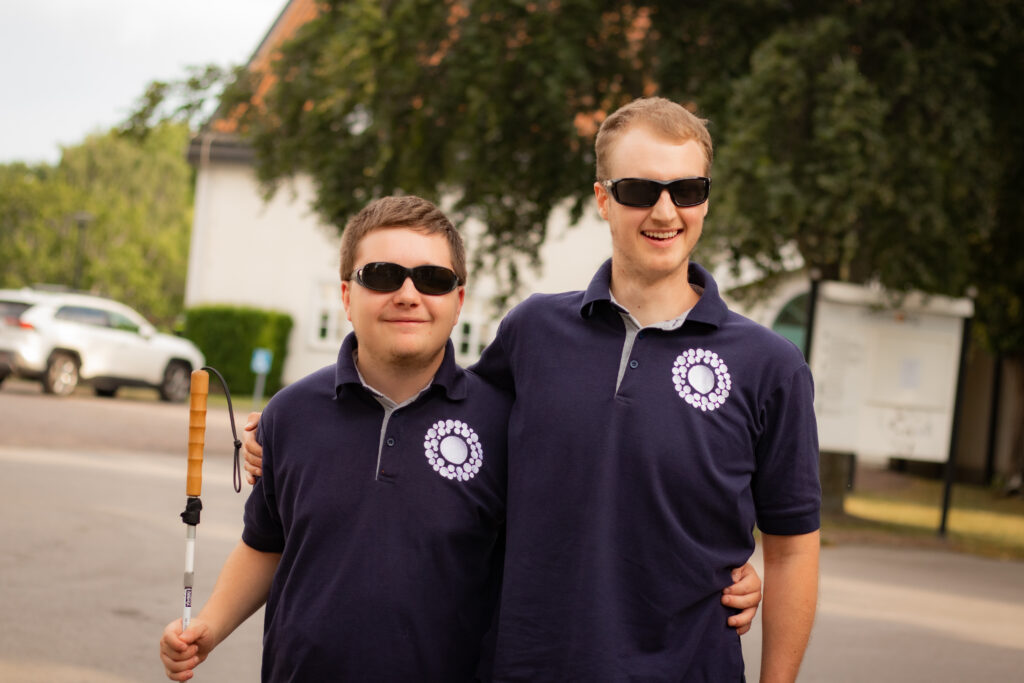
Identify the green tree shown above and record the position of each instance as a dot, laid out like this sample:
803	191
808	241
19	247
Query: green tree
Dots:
38	234
844	119
134	247
188	100
881	139
493	108
804	156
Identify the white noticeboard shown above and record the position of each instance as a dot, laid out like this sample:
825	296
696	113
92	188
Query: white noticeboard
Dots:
885	378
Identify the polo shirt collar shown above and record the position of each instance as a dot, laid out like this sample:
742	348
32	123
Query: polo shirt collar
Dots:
449	376
710	309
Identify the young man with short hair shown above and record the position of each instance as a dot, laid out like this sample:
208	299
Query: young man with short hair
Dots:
375	533
652	429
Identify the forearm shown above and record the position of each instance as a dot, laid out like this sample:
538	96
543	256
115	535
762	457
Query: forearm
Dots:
241	589
790	600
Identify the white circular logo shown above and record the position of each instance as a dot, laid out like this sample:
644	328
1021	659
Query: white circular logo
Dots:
453	449
701	379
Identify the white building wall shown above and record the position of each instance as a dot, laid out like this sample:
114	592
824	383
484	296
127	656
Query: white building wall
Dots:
271	255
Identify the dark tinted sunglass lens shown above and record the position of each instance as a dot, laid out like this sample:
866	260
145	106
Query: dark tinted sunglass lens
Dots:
434	279
689	191
382	277
637	192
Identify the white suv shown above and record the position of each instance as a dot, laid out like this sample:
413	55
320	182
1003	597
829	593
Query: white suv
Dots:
62	338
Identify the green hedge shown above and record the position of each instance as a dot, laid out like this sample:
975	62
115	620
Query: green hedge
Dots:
227	336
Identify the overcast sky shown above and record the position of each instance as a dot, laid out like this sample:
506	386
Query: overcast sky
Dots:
73	67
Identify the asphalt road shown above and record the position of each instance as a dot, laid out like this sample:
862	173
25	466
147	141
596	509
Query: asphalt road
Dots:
94	551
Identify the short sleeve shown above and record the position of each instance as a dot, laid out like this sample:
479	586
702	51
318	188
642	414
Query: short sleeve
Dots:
787	491
262	529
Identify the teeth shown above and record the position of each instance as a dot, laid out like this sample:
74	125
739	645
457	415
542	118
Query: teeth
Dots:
660	235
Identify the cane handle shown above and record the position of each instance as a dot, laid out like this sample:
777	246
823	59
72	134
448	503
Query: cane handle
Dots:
196	431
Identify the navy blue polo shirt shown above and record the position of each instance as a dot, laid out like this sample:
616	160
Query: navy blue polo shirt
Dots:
391	547
628	507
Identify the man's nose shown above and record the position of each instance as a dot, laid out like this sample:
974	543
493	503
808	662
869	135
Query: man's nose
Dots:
407	293
664	209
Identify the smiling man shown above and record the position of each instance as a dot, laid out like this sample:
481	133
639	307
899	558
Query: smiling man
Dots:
374	535
652	429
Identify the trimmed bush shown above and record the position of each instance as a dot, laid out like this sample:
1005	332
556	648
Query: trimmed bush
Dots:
227	336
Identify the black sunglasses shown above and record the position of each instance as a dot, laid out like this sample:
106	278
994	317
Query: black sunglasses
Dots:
644	192
381	276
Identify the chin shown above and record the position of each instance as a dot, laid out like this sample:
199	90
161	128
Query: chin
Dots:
414	356
667	266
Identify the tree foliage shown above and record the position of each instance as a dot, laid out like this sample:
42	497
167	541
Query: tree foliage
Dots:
881	138
865	136
121	205
494	107
38	234
188	100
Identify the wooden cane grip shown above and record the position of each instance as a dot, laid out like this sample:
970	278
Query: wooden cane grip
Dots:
196	431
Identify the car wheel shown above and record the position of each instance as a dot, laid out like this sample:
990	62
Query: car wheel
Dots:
105	392
61	376
177	382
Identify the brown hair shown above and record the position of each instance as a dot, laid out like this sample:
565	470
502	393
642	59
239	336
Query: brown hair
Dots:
663	117
406	211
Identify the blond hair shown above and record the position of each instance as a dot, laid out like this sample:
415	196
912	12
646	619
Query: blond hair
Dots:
662	117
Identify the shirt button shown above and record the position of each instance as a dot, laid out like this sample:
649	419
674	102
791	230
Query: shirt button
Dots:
390	441
633	364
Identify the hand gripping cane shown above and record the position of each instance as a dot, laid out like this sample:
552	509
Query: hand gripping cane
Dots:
194	480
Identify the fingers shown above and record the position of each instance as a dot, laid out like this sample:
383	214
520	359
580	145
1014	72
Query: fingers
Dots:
253	467
179	670
745	580
743	601
253	451
745	595
741	622
178	652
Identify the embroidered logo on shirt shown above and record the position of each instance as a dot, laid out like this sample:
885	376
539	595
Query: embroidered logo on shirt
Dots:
702	379
453	449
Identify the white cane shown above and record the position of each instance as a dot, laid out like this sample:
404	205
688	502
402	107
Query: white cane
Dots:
194	481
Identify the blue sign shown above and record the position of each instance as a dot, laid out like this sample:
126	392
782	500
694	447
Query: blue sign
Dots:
261	360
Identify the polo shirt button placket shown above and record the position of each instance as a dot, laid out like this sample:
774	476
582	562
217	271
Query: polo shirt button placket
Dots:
634	363
387	463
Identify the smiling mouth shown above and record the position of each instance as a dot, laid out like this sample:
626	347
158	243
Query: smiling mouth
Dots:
660	235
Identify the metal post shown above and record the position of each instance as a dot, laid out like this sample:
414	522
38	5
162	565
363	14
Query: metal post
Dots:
993	419
812	308
951	460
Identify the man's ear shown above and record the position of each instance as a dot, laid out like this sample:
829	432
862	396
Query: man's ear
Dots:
602	196
346	292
